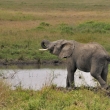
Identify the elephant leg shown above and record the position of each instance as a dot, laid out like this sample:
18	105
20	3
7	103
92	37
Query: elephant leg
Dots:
104	73
70	76
96	73
67	82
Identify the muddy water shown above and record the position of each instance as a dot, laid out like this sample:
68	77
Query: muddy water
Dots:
37	77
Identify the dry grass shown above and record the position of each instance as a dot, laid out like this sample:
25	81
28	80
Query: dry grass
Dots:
54	17
21	33
4	93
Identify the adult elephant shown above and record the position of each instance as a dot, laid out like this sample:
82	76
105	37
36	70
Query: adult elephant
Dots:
90	57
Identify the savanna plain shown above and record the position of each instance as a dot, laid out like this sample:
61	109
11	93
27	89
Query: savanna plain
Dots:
25	23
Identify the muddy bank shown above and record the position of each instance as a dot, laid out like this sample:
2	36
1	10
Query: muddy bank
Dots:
30	62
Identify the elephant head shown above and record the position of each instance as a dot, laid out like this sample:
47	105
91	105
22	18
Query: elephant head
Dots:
61	48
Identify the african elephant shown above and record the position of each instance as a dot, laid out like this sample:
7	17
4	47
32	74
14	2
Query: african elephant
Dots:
90	57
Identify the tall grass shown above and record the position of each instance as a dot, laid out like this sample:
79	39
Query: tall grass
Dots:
18	44
4	93
52	98
94	27
17	16
53	5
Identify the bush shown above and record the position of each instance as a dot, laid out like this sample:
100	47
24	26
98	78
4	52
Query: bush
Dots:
93	27
66	29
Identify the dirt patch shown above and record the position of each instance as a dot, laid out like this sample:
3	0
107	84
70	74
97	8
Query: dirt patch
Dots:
31	62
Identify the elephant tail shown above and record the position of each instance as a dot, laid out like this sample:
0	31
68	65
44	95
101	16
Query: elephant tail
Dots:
108	58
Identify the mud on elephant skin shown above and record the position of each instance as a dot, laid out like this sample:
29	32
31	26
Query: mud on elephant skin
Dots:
90	57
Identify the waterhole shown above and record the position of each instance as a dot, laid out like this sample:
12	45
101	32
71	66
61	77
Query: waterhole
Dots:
37	77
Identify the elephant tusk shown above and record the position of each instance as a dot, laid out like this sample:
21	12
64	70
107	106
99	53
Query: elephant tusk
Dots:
43	49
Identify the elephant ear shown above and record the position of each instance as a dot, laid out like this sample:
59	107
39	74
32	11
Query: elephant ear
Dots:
66	49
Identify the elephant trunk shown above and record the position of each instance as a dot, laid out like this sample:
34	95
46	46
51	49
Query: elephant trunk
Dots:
44	44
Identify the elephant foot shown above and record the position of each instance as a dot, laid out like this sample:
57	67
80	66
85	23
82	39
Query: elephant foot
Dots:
106	89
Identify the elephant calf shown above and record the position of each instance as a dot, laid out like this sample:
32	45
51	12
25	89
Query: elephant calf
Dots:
90	57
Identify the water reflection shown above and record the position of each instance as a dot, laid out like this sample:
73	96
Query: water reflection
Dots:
35	78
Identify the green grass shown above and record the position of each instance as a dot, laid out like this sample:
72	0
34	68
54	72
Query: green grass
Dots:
24	24
94	27
52	98
24	44
49	4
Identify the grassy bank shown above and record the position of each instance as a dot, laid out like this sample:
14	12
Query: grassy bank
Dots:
16	44
24	24
52	98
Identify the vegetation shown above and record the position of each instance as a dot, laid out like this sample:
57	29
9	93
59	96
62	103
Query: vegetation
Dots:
25	23
52	98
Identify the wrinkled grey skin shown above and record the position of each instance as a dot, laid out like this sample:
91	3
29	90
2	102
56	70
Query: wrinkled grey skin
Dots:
90	57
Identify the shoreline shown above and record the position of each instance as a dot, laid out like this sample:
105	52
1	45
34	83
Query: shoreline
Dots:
31	62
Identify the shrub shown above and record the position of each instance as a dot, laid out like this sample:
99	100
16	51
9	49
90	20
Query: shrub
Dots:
93	27
66	29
